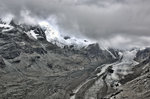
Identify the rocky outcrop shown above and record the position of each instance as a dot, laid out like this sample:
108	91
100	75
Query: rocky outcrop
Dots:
142	54
2	63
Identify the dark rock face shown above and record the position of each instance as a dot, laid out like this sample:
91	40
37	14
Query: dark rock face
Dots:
13	23
114	52
11	55
67	37
2	63
10	50
142	55
94	52
16	41
50	65
40	50
93	49
40	32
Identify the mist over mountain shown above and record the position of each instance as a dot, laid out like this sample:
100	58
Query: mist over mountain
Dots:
117	23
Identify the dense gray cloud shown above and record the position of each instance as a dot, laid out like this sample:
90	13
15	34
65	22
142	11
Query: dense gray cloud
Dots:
118	23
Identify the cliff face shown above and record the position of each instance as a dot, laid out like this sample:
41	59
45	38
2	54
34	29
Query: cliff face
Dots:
32	68
142	54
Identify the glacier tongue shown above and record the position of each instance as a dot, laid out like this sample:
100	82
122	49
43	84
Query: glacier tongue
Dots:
109	75
125	65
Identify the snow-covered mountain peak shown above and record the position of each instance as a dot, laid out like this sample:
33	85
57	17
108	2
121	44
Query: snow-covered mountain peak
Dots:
51	33
55	37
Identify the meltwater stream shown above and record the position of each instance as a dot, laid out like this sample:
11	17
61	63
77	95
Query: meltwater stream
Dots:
104	78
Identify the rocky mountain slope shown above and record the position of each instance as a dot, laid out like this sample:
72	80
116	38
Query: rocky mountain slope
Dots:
33	68
38	63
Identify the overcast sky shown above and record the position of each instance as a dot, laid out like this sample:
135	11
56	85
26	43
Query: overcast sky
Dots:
115	23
